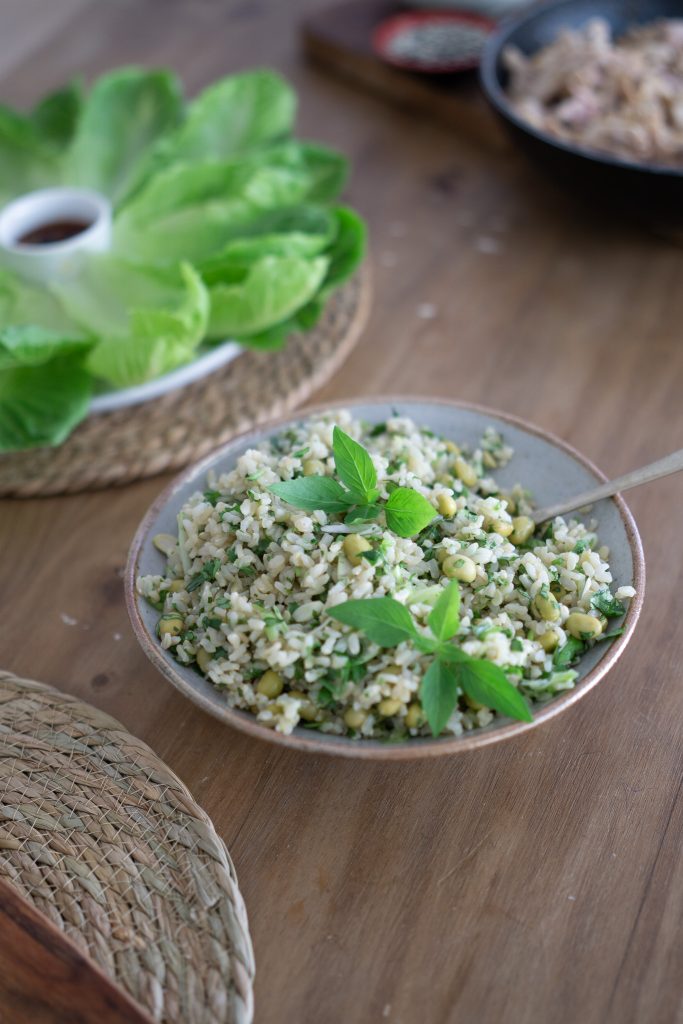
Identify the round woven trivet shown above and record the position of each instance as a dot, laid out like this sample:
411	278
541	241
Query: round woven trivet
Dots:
106	841
180	427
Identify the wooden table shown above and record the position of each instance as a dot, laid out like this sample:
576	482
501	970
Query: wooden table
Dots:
540	882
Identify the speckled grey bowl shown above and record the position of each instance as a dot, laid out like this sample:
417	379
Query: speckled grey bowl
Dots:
547	466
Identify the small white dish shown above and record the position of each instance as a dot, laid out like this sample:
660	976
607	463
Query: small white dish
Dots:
52	208
208	361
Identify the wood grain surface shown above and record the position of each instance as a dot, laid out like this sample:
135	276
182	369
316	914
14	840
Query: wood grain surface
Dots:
539	882
45	978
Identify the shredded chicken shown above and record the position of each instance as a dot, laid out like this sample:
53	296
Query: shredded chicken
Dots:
623	97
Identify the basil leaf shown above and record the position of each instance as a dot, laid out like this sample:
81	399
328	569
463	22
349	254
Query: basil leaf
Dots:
608	605
569	653
383	620
486	683
313	494
408	512
439	694
354	465
426	644
447	652
444	618
362	514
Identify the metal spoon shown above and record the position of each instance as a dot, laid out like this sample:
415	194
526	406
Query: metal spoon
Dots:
663	467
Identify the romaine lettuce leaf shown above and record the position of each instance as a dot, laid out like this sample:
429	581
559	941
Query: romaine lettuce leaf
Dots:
303	231
232	116
191	211
33	326
262	294
40	405
26	159
347	249
56	116
30	345
125	113
155	340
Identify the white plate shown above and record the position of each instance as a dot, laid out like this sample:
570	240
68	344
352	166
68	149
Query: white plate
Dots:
211	360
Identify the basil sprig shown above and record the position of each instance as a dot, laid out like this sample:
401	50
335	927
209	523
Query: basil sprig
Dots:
387	623
355	494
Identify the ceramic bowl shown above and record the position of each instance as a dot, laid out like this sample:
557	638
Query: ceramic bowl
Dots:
51	261
646	192
550	468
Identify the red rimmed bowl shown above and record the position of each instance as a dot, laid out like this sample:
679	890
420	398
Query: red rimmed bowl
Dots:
549	467
392	32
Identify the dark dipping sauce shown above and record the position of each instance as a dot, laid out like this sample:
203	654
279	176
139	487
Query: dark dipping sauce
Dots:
55	231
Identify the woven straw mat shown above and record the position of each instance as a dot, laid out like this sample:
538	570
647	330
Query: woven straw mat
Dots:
183	425
106	841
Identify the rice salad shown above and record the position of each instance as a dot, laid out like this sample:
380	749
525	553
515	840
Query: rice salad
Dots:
250	580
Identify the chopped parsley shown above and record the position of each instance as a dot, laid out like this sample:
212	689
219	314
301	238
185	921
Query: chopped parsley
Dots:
608	605
206	573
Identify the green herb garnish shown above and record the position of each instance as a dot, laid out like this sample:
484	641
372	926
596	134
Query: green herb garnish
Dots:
613	635
387	623
372	556
604	602
206	573
407	512
569	654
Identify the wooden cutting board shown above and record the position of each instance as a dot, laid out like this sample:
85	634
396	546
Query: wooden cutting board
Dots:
340	38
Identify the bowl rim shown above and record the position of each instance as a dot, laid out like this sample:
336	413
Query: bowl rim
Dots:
498	98
341	745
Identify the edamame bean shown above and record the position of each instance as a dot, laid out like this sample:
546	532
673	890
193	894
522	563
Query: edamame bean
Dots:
354	544
546	608
500	526
446	505
354	718
202	657
415	716
165	542
548	641
306	710
522	528
465	472
584	627
171	625
389	707
459	567
270	684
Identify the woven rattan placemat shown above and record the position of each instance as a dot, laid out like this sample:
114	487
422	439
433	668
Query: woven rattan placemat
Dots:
106	841
180	427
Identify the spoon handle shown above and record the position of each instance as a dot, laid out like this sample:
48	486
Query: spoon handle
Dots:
663	467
